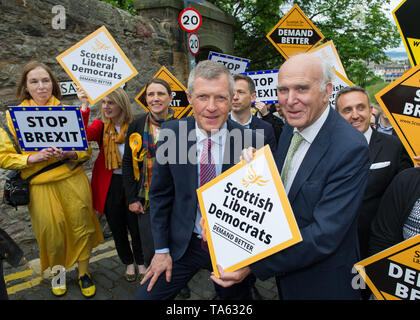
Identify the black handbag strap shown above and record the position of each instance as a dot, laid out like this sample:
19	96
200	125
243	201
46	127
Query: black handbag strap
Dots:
46	168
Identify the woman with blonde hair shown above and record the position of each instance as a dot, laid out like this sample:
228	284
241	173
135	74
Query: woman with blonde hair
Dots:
64	223
107	183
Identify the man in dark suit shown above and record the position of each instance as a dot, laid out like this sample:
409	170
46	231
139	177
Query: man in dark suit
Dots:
243	97
325	176
386	153
179	170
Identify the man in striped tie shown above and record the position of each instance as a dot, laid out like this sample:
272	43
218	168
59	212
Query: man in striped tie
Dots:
324	163
191	152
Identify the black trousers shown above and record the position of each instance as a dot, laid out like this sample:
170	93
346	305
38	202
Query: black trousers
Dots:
120	221
3	290
194	259
146	236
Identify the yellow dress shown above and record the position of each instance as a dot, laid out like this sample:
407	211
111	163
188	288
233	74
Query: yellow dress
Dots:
64	222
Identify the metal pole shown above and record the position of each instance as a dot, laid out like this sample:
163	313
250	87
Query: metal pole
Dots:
191	58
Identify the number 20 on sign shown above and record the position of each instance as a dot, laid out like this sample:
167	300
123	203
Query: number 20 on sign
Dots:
190	20
194	43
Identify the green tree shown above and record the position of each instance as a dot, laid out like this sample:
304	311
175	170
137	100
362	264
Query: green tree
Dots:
360	30
126	5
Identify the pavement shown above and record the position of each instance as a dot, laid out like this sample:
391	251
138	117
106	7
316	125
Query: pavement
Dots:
26	283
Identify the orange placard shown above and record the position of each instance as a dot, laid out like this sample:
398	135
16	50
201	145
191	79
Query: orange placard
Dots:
394	274
401	103
294	33
179	103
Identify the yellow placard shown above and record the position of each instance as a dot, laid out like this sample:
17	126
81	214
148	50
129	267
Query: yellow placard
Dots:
285	220
401	103
95	64
294	33
394	274
179	104
406	15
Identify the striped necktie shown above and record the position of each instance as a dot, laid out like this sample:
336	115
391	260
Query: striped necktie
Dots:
294	145
207	167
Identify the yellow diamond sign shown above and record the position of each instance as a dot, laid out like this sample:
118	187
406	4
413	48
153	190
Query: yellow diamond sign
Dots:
294	33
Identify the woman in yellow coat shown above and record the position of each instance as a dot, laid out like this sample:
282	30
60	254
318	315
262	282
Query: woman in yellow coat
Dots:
64	223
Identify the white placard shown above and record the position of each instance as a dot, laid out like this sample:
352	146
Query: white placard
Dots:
235	65
43	126
266	83
247	213
97	64
339	82
328	52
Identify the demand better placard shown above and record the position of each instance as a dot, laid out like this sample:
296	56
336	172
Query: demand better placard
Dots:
42	127
394	274
247	214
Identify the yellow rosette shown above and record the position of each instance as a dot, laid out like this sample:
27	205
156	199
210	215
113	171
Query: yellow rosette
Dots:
136	143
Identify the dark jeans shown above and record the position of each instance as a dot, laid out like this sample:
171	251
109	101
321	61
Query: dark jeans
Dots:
145	230
3	290
119	220
194	259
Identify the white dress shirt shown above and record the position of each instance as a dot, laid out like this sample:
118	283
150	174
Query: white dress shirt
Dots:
309	134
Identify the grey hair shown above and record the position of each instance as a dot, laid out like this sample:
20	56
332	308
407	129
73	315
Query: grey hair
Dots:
351	89
327	70
209	70
327	74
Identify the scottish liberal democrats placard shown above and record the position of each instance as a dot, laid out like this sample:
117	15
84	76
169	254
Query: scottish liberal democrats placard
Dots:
247	214
97	64
42	127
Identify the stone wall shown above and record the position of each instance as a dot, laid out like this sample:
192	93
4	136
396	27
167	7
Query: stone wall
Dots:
150	40
26	33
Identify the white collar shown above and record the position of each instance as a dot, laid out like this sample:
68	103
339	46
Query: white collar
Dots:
310	133
368	134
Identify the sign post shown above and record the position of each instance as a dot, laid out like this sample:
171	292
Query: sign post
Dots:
190	21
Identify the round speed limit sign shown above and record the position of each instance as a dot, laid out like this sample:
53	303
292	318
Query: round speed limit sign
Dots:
190	20
194	43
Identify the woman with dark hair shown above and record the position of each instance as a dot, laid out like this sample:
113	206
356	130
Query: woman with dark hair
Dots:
107	184
63	220
139	157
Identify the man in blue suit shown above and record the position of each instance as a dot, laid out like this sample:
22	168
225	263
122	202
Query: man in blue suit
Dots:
243	97
179	170
325	181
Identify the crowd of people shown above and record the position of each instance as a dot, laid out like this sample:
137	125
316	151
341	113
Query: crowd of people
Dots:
343	171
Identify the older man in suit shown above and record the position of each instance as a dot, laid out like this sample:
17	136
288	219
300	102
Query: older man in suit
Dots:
191	152
324	164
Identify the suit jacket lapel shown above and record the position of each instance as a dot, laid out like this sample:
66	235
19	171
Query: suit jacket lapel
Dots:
315	152
191	151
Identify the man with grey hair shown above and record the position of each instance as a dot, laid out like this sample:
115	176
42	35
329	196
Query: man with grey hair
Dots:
386	153
213	144
324	164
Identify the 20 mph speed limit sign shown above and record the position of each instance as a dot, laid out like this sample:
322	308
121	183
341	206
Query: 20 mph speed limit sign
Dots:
194	43
190	20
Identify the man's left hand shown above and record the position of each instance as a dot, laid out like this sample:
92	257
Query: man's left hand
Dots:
228	279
